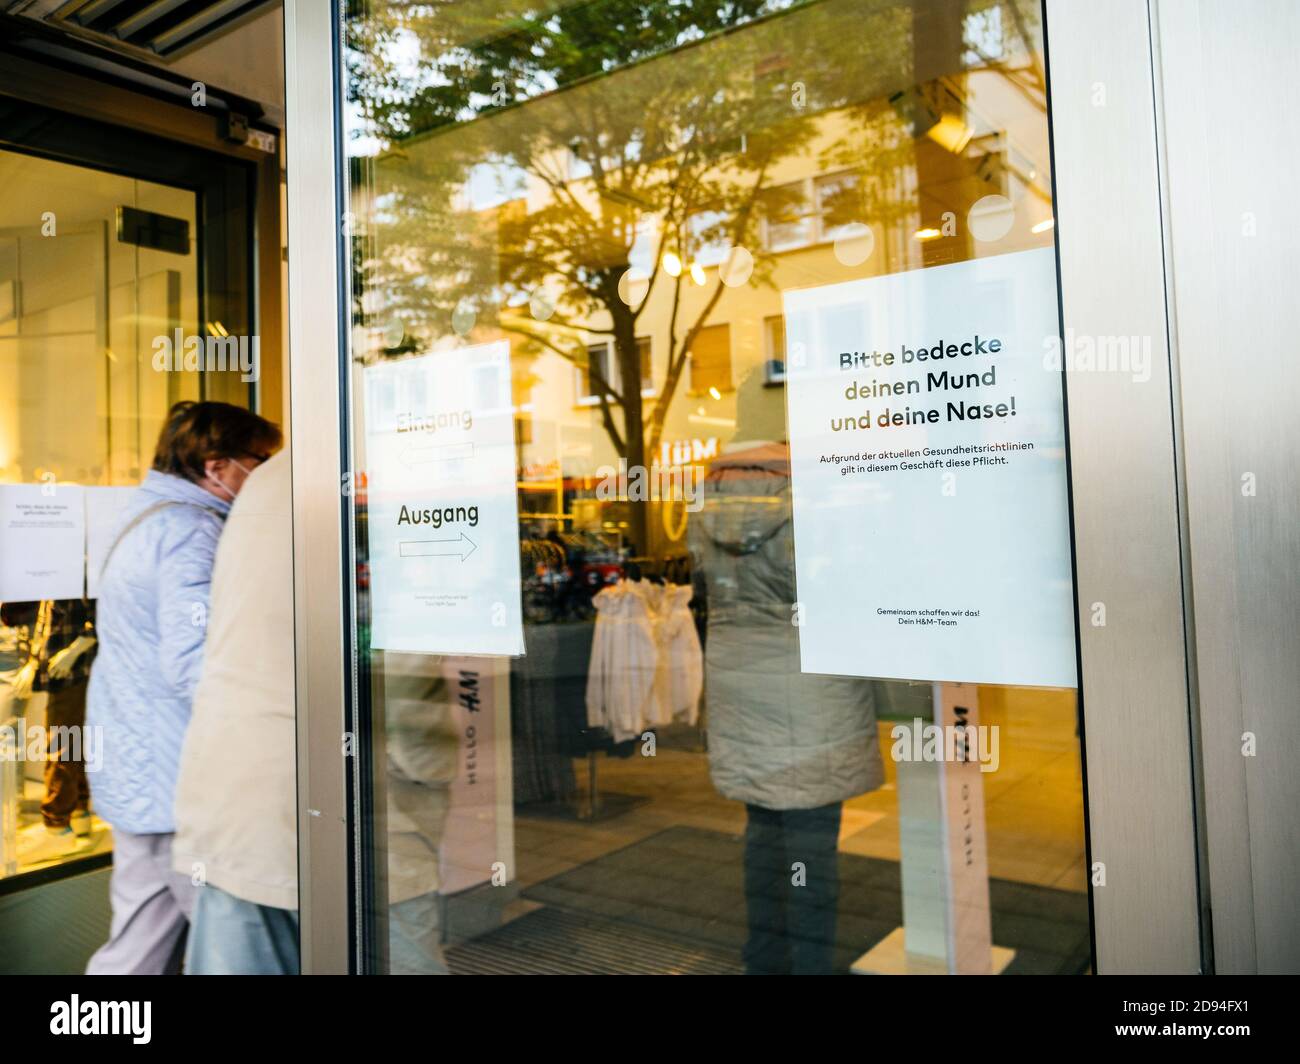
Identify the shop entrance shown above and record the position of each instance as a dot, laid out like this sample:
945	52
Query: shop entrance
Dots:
84	299
119	252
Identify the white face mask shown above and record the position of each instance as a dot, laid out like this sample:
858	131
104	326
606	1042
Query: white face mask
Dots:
232	494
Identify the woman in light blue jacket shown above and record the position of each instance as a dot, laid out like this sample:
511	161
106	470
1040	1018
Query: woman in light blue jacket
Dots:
151	621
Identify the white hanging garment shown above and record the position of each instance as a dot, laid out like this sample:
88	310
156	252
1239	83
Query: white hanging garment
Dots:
679	647
679	666
620	679
659	709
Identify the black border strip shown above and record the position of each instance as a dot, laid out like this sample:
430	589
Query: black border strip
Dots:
359	793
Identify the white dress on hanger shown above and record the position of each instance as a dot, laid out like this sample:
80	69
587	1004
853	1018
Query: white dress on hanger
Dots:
620	680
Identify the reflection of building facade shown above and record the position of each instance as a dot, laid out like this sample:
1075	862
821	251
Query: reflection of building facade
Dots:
640	281
873	186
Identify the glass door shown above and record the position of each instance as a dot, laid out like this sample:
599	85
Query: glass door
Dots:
706	483
84	300
125	272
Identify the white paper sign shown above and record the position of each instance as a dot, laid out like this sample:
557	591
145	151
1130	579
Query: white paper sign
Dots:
103	511
442	513
42	542
929	486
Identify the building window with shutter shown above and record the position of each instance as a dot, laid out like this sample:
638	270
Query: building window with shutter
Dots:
602	366
710	358
774	349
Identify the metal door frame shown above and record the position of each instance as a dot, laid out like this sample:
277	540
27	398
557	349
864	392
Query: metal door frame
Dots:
323	582
1127	495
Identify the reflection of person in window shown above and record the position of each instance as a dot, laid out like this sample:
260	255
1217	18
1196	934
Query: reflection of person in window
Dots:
422	745
792	746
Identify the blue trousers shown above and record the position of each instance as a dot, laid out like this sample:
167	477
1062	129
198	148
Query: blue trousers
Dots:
792	886
230	936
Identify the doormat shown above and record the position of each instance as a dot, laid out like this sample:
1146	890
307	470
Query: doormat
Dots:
687	883
551	941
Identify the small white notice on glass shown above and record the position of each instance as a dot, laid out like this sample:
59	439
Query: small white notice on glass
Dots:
42	542
927	442
442	514
103	512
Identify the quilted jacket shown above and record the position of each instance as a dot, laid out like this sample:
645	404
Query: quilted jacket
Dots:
151	620
779	738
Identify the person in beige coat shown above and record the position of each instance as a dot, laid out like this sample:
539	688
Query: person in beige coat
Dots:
236	798
236	795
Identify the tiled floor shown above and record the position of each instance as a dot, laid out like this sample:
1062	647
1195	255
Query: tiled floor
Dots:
1033	802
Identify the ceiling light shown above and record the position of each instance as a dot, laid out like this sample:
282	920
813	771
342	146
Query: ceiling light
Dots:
951	132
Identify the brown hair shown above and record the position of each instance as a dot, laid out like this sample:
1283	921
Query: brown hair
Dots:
197	432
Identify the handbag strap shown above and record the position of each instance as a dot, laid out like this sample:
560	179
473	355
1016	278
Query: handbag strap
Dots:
149	511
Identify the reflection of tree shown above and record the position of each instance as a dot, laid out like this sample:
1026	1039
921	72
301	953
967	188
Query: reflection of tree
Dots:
951	151
638	155
671	156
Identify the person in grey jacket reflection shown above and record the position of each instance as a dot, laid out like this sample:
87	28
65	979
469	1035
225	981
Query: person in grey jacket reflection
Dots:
792	746
422	748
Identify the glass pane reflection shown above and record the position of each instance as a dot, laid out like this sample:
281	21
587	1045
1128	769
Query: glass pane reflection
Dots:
622	192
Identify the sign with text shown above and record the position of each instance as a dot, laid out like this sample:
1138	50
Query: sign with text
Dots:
927	445
42	542
442	512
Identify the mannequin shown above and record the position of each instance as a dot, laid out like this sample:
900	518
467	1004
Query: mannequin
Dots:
59	651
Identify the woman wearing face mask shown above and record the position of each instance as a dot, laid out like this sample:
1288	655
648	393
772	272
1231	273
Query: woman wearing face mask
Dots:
152	616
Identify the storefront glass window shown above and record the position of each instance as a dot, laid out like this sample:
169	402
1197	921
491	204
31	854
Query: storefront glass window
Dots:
93	268
650	670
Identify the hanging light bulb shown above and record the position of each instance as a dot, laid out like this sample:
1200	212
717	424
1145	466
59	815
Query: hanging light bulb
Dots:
697	273
672	264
